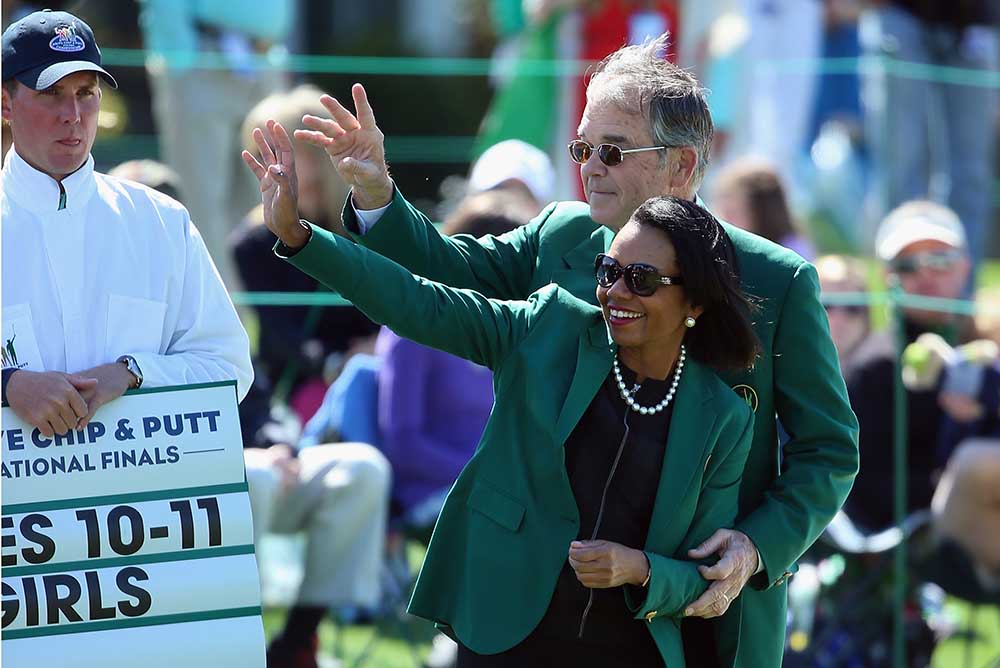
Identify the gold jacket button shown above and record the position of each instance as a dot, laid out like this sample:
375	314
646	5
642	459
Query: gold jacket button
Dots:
650	615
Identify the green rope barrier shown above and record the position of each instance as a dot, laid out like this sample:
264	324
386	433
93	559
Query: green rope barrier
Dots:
288	299
904	69
402	66
373	65
400	149
959	306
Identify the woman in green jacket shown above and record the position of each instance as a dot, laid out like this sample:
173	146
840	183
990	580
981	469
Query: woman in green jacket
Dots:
612	449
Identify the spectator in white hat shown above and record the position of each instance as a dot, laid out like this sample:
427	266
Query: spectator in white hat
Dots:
923	247
515	165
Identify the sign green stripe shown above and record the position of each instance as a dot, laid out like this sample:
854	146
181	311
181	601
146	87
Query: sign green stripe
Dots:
111	562
90	501
179	388
118	624
172	388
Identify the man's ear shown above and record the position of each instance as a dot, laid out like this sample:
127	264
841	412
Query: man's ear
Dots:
682	169
6	104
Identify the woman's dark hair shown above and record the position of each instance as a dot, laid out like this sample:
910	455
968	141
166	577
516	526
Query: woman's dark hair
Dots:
723	337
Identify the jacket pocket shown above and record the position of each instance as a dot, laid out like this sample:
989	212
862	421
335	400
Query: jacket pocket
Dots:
135	325
501	509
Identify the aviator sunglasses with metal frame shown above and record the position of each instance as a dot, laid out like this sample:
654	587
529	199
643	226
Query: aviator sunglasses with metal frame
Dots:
641	279
610	154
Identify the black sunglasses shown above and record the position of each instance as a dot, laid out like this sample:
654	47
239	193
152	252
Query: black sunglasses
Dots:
641	279
938	260
610	154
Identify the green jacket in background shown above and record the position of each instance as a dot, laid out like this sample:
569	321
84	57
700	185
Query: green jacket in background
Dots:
788	493
504	532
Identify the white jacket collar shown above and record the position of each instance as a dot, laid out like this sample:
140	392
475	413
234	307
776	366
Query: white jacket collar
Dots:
39	192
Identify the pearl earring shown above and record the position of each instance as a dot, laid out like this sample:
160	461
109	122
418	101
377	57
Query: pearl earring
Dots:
689	322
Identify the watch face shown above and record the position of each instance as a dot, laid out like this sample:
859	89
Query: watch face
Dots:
133	368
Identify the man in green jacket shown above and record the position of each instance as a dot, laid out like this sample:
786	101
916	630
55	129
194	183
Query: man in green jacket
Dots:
646	131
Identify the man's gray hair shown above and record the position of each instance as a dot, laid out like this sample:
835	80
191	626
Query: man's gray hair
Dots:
640	80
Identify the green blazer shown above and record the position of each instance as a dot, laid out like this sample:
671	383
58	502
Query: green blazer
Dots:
788	494
505	529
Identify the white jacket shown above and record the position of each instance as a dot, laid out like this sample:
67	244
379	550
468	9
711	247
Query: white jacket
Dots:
121	270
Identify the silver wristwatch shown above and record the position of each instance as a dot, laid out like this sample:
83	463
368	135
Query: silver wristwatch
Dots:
133	368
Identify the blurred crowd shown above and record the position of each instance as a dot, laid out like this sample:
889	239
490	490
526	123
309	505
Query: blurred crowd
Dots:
846	130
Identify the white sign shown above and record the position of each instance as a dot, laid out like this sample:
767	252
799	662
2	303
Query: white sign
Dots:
131	537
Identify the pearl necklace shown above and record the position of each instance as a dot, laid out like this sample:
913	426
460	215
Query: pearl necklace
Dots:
629	395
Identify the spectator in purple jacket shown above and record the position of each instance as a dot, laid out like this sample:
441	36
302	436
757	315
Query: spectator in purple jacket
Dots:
432	408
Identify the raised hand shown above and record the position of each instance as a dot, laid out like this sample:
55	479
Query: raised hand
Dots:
278	183
355	145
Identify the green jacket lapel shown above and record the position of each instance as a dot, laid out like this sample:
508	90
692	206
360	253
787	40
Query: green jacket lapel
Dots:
577	271
593	363
692	423
582	255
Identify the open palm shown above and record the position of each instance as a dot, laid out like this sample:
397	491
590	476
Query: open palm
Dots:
354	143
275	171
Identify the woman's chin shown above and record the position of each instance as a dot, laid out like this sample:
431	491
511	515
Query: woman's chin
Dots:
624	339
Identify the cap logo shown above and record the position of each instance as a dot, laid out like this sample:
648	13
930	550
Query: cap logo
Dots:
66	40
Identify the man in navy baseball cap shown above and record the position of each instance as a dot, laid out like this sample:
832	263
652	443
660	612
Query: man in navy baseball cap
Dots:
52	91
46	46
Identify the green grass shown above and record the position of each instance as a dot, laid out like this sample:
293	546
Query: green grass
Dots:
401	641
397	640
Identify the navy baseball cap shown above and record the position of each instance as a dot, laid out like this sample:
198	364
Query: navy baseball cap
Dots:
46	46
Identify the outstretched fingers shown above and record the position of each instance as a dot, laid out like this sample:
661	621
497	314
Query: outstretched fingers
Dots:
258	169
366	116
264	146
327	127
283	143
314	137
340	113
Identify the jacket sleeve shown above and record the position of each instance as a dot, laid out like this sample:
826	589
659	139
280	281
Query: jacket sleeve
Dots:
820	459
500	267
676	583
460	322
208	342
